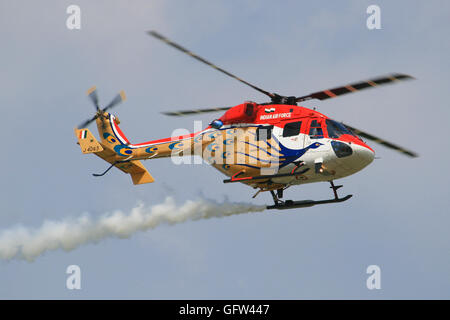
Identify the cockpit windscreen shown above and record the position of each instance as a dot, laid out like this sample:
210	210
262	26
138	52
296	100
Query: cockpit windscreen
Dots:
336	129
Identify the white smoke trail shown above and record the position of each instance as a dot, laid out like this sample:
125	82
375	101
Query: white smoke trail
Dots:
29	243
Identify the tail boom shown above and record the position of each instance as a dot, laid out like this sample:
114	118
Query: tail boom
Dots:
117	150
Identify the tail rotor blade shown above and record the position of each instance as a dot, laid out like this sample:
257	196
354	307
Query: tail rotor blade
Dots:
87	122
117	99
92	93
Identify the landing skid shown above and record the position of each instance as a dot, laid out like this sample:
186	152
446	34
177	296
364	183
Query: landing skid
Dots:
290	204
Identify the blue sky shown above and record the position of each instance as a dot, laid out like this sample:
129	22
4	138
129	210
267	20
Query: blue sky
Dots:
397	218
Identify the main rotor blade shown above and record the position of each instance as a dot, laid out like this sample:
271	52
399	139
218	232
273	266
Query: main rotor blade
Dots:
195	111
353	87
87	122
117	99
382	142
193	55
92	93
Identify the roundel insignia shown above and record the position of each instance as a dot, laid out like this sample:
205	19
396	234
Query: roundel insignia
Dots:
175	145
123	150
108	137
151	150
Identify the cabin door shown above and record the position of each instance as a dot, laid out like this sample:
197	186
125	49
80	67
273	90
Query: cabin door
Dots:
289	134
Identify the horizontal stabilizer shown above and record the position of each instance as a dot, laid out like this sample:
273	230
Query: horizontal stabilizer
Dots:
136	169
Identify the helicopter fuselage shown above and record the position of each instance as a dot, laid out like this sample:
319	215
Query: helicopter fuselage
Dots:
260	140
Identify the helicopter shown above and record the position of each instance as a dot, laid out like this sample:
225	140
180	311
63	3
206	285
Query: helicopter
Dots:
268	146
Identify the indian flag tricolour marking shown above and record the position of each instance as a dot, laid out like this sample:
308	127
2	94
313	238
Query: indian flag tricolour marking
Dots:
83	134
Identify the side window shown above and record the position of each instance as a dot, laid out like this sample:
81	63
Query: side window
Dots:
264	133
315	130
292	129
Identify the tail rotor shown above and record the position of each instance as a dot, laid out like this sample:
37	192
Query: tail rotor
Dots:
92	94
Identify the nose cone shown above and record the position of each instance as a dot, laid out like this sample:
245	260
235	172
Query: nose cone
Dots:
364	153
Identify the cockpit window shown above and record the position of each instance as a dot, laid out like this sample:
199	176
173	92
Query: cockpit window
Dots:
315	130
336	129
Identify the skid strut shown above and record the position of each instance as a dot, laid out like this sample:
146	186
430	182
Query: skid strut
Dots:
335	188
276	199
